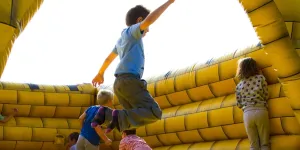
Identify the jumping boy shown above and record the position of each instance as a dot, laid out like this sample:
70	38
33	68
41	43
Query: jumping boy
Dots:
139	106
89	138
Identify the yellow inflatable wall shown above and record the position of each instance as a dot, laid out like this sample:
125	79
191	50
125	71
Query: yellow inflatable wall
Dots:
198	102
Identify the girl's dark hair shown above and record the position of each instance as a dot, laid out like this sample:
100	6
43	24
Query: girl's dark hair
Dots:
74	136
130	132
246	68
134	13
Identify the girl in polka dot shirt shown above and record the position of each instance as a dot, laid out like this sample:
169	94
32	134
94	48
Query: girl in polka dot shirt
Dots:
252	96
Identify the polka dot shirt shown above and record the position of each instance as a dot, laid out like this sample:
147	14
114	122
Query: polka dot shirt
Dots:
252	91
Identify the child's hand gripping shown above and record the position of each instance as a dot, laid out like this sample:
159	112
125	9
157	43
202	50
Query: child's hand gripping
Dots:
108	142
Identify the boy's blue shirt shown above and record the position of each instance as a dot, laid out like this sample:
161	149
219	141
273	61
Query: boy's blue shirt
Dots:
131	51
87	131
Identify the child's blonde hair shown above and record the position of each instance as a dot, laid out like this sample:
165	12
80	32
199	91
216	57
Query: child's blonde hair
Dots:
104	96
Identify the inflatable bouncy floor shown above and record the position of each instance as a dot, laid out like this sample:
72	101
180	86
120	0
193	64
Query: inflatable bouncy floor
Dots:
198	102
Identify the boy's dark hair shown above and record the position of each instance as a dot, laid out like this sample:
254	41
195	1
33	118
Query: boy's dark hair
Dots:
246	68
130	132
134	13
74	136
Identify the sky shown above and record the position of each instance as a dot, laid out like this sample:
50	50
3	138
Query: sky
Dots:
67	41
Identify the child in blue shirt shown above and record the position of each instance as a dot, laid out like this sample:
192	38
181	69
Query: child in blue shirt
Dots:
131	90
89	138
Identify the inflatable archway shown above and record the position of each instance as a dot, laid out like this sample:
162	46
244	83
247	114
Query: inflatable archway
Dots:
198	104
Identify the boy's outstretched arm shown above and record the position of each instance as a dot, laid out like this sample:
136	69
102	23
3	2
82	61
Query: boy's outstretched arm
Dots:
102	135
152	17
99	79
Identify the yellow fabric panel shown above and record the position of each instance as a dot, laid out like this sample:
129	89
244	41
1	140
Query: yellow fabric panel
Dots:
42	111
74	123
260	58
5	11
80	100
274	90
192	136
228	68
169	139
43	134
7	33
228	144
284	51
163	101
252	5
207	75
115	100
57	99
290	125
285	142
276	126
271	14
24	110
29	122
170	112
67	112
153	141
170	124
213	134
210	104
8	145
296	34
8	96
156	128
179	98
185	81
220	117
1	133
17	133
31	98
151	89
270	75
280	107
223	88
11	123
21	145
228	101
141	131
291	89
52	146
15	86
180	147
243	145
163	148
55	123
289	26
271	22
237	115
164	87
235	131
196	121
290	9
204	90
188	109
202	146
117	135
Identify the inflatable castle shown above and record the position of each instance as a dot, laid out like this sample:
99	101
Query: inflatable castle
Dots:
198	102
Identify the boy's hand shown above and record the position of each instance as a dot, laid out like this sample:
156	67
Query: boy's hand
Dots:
99	79
171	1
